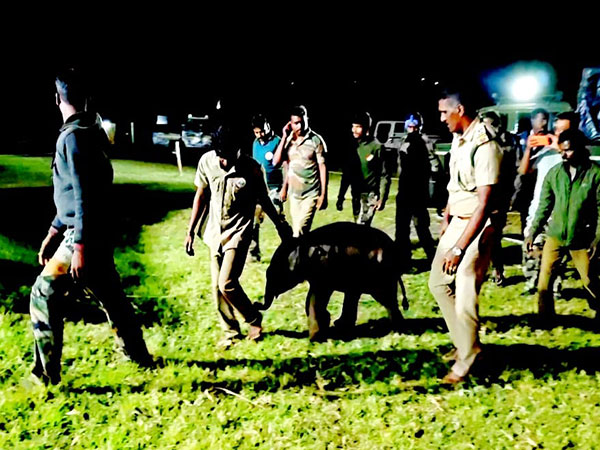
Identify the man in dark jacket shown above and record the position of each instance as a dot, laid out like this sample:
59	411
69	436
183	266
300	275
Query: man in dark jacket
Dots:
363	172
77	240
571	193
413	193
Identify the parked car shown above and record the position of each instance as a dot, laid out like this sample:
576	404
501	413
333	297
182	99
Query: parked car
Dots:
194	132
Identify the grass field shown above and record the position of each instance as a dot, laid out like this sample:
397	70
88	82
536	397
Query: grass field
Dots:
378	390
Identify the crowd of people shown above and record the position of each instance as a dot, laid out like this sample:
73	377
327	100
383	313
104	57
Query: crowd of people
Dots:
556	192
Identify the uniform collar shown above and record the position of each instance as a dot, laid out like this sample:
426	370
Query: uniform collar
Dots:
467	135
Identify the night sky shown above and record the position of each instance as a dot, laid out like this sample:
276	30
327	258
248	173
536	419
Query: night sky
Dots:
254	65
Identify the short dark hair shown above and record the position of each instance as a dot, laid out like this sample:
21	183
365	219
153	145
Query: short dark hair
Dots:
577	138
537	111
571	116
71	88
462	97
259	121
362	118
299	111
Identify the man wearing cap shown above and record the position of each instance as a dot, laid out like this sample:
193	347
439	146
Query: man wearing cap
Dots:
413	192
362	171
263	150
570	196
231	184
463	254
306	177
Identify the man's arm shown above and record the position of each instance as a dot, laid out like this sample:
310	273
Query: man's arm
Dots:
525	164
48	245
322	201
344	185
445	220
474	227
284	185
198	206
79	171
544	209
387	169
596	240
283	228
280	154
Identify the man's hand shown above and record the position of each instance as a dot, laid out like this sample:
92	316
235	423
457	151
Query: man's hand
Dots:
287	129
78	263
283	195
321	202
189	244
529	243
445	223
47	247
339	204
379	205
451	262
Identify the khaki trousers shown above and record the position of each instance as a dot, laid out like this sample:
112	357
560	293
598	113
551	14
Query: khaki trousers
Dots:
302	212
457	295
551	258
226	270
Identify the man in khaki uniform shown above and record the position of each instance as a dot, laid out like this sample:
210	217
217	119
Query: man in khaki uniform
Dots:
232	184
463	254
306	177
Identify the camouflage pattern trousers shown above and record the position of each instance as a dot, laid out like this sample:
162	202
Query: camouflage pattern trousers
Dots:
102	285
368	203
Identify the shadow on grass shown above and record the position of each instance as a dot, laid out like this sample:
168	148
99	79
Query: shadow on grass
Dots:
503	324
15	280
340	373
31	212
419	266
512	254
511	281
417	326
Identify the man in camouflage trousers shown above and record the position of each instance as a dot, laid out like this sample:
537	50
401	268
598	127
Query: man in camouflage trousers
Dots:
82	179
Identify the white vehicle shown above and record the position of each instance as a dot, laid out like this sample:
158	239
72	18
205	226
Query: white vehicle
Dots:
194	133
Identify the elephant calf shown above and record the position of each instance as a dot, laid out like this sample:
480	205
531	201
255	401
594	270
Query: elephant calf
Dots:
354	259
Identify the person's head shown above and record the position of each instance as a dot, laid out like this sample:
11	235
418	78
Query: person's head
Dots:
457	110
572	146
565	121
539	120
299	120
226	142
71	90
261	127
491	118
361	125
413	123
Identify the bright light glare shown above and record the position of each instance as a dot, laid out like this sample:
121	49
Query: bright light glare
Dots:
525	88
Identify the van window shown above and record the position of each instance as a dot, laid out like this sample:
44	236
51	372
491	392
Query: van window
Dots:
383	132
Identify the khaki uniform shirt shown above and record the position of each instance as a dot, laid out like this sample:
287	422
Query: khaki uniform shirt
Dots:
234	193
474	161
304	156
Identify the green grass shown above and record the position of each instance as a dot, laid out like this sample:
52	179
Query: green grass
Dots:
378	390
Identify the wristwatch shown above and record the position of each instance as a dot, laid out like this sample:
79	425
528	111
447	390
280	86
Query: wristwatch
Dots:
456	251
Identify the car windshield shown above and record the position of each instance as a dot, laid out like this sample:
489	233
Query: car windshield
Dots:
196	126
